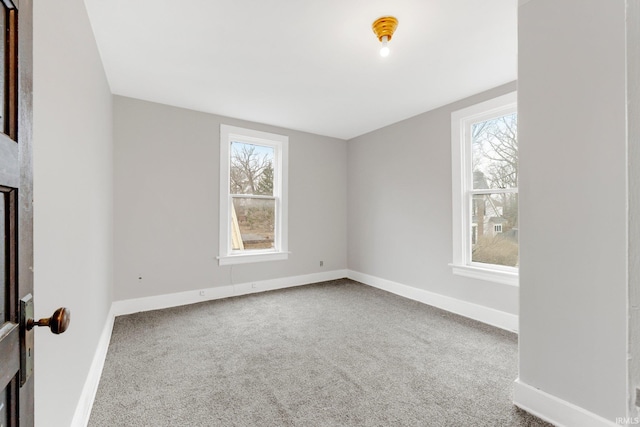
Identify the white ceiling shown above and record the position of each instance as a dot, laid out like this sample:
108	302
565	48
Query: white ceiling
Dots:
302	64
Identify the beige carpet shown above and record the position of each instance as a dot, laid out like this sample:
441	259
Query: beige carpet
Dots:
331	354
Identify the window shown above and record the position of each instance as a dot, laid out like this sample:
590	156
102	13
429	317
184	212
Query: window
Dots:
484	150
253	196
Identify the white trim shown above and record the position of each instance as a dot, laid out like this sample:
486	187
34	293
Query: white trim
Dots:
555	410
246	258
85	403
90	388
83	410
490	191
478	312
532	400
461	177
158	302
280	143
490	275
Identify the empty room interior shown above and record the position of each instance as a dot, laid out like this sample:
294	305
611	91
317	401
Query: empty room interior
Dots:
368	168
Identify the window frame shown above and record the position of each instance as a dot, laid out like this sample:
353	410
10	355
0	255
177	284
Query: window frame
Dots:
280	143
462	189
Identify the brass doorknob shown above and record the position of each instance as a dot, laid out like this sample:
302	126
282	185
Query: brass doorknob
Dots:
58	322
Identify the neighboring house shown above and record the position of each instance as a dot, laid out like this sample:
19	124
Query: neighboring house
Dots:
487	213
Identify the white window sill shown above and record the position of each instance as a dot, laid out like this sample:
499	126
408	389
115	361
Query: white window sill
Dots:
487	274
252	257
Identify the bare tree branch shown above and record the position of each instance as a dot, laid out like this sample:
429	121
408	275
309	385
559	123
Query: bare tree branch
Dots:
248	169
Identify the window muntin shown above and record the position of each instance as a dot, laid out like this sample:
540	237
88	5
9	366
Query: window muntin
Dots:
253	189
485	190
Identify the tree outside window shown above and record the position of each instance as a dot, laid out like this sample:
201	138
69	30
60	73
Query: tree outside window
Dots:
253	196
494	154
484	153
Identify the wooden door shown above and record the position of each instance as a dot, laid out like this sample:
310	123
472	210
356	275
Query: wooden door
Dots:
16	243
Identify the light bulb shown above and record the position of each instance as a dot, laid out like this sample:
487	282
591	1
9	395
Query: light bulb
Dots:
384	50
383	28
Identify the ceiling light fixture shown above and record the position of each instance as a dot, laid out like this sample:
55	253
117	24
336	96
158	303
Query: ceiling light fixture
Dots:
384	28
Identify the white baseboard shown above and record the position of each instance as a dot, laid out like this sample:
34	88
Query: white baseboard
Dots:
474	311
199	295
478	312
555	410
537	402
83	409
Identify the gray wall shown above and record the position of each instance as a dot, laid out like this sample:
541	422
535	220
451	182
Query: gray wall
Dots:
166	202
400	210
573	194
73	233
398	222
633	116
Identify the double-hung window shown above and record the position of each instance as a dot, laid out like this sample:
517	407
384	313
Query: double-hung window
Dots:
484	149
253	196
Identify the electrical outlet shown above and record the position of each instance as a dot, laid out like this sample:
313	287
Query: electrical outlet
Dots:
201	293
321	263
253	286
